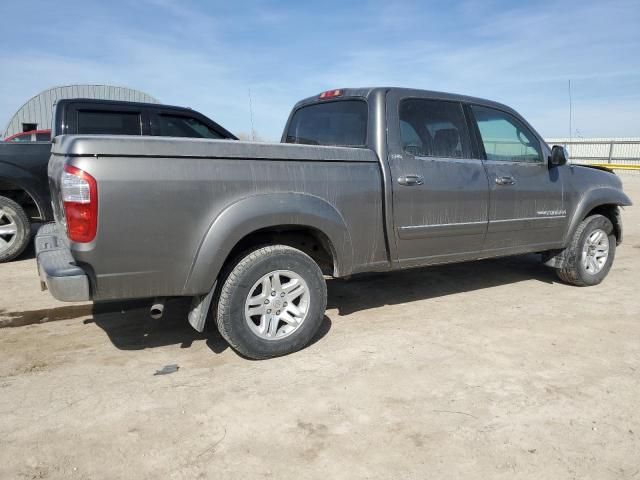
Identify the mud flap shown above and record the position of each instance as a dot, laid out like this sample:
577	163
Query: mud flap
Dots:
200	309
555	258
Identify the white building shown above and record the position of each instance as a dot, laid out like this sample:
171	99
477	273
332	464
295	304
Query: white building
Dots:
37	112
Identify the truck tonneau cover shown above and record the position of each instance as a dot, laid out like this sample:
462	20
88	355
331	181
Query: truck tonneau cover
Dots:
119	146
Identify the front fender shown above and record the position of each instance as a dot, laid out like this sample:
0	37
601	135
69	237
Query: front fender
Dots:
264	211
592	199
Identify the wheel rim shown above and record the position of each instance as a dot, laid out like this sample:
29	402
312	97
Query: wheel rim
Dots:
277	305
595	251
8	230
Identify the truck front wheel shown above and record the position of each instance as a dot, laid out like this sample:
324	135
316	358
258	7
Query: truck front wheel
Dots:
15	230
590	253
272	302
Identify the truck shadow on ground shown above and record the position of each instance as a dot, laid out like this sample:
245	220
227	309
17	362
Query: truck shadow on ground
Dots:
375	290
129	326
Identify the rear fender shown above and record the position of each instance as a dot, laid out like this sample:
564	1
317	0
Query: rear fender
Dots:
264	211
24	180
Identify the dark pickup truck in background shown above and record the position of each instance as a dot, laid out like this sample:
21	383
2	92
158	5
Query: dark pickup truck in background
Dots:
24	187
365	180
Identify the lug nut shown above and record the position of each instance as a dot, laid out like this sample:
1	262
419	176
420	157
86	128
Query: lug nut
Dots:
278	312
268	311
282	294
273	294
285	304
266	301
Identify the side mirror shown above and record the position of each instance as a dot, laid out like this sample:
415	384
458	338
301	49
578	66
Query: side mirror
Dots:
558	156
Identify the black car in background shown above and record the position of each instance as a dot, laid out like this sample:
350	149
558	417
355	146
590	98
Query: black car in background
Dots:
24	189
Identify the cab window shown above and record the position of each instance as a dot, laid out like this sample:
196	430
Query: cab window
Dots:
109	122
505	138
434	128
23	137
340	123
179	126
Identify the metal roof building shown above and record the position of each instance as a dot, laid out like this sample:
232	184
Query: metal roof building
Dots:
36	113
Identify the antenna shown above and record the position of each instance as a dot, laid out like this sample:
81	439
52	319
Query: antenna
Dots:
253	131
570	113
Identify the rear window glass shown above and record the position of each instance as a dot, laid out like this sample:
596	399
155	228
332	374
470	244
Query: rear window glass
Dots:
24	137
341	123
178	126
109	123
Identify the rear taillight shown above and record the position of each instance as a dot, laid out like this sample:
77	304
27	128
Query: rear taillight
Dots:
79	193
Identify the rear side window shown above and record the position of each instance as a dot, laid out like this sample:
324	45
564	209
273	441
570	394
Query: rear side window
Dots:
178	126
342	123
43	137
109	122
434	128
505	138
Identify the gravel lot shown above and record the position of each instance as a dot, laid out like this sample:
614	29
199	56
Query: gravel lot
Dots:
481	370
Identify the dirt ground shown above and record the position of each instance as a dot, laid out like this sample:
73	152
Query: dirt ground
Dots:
480	370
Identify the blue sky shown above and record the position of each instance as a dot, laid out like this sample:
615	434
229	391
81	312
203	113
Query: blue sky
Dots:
207	55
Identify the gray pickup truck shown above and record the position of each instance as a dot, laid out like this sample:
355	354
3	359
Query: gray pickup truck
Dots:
364	180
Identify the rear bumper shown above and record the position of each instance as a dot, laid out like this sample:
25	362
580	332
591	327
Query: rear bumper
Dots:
57	269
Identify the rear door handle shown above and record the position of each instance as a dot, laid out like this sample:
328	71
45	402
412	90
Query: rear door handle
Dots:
505	180
411	180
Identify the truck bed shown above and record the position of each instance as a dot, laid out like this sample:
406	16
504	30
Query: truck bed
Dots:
161	199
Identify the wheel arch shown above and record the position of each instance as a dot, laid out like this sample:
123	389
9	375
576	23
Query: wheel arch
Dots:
604	201
262	219
15	183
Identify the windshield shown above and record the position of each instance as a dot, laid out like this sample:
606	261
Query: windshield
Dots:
341	123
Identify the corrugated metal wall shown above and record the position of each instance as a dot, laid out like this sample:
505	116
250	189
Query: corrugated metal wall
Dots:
39	109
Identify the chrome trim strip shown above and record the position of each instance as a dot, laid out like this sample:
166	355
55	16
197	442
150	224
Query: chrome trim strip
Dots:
411	232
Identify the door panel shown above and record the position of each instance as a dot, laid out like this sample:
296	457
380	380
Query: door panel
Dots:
440	193
526	209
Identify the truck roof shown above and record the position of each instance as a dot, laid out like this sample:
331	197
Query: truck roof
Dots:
61	106
366	92
99	101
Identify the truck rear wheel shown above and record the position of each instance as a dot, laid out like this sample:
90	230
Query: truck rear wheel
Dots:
272	302
590	254
15	229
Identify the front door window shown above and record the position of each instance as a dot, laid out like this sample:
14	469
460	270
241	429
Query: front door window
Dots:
505	138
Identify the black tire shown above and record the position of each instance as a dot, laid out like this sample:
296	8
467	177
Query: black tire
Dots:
574	272
13	244
237	286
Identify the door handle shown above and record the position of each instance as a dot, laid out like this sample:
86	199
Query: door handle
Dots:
411	180
505	180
